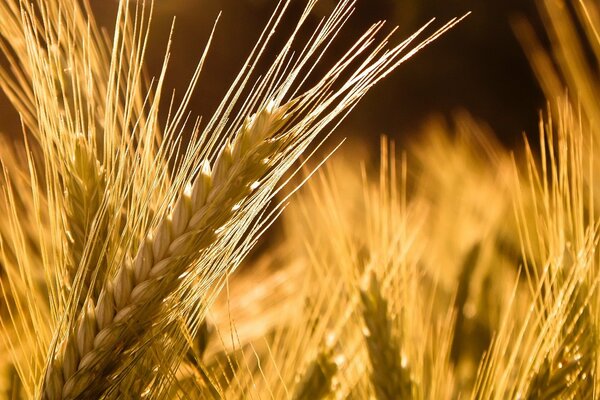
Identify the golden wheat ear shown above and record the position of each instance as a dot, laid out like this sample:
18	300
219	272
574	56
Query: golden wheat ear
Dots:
81	121
546	346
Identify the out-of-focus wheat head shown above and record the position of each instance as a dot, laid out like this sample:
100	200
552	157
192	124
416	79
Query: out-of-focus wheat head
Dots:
570	69
553	353
366	306
464	177
117	238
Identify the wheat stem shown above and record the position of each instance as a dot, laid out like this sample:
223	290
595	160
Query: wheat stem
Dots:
129	303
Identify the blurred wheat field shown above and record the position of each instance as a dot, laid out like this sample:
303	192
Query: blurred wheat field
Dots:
449	268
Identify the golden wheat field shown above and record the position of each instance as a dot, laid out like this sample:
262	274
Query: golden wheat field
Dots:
150	253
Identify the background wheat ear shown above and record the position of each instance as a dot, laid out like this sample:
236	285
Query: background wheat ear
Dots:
390	373
316	381
532	356
330	308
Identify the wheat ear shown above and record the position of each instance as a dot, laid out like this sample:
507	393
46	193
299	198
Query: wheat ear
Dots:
85	186
390	376
565	373
315	384
128	304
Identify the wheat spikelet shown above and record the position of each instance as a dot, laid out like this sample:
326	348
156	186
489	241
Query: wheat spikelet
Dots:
548	356
567	371
59	80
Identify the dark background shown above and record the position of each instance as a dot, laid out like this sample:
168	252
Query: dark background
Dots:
478	66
